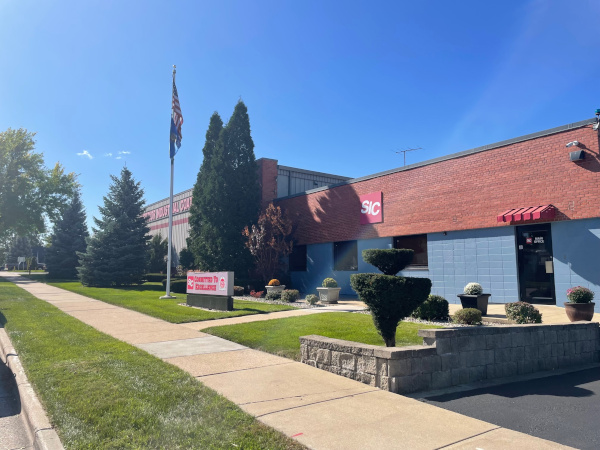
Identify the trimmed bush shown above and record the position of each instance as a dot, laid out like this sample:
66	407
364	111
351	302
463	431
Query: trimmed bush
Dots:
290	295
467	316
580	294
177	286
522	312
312	299
274	282
329	283
389	261
155	277
434	308
390	299
273	295
473	289
238	291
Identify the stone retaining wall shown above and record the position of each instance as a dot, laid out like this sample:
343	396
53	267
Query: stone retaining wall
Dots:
454	356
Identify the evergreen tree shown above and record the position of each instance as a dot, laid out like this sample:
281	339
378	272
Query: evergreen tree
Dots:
226	196
117	253
159	248
68	239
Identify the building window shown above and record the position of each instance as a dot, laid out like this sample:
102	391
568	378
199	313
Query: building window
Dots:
345	255
298	259
418	243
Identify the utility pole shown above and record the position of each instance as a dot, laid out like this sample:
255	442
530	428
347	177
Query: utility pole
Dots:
408	150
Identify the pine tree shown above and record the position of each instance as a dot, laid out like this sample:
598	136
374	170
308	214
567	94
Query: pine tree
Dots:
117	253
226	196
68	238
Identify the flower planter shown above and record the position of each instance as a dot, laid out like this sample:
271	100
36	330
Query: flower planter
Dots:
329	295
275	288
479	302
580	311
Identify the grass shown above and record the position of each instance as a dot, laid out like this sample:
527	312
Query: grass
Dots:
145	299
100	392
280	336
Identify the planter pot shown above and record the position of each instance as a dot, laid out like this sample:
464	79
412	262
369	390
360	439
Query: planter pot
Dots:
580	311
329	295
275	288
479	302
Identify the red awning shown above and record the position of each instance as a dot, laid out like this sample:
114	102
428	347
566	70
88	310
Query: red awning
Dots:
544	212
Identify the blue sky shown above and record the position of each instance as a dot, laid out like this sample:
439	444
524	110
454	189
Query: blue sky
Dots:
330	86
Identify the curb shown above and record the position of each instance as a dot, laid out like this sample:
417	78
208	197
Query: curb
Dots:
44	437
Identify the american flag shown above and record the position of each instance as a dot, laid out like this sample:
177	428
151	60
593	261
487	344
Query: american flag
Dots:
176	122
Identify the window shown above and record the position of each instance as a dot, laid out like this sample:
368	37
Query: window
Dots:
345	255
298	259
418	243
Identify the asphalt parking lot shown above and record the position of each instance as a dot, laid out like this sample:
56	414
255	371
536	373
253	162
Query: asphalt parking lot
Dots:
563	408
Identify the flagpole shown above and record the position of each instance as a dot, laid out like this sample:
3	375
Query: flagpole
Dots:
168	287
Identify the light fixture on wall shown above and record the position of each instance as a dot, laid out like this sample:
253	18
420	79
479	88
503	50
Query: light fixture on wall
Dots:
445	233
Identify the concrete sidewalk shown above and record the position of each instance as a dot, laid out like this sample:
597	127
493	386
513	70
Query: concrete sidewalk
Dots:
319	409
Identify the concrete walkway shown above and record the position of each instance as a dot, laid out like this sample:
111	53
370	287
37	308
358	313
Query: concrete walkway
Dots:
319	409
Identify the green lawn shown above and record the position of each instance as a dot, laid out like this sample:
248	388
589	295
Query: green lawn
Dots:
145	299
100	392
280	336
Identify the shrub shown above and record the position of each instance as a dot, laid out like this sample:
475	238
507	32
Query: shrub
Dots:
434	308
389	261
312	299
155	277
390	299
258	294
238	291
329	283
273	295
522	312
290	295
473	289
177	286
580	294
467	316
274	282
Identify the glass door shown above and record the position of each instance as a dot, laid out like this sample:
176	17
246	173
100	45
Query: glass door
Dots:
536	265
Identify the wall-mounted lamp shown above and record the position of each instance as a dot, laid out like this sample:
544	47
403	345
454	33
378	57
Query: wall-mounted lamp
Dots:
445	233
577	155
573	143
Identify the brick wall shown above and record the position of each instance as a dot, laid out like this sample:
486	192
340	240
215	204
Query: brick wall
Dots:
464	193
450	357
267	175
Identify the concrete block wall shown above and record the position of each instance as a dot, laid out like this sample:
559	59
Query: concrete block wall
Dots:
450	357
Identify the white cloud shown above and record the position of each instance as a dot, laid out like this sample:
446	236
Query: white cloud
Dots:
124	153
118	157
108	154
85	153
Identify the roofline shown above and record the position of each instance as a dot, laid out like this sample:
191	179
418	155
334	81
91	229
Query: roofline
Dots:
312	172
167	198
472	151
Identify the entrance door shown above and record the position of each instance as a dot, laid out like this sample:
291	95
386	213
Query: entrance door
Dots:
536	267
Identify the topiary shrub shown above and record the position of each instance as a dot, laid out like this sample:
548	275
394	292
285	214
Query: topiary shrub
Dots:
580	294
467	316
329	283
312	299
389	261
473	289
434	308
178	286
290	295
238	291
274	282
522	312
273	295
390	299
155	277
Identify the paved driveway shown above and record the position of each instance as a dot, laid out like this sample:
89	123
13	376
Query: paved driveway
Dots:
563	408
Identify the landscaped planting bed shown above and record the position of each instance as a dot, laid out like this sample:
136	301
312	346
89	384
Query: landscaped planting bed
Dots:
281	336
100	392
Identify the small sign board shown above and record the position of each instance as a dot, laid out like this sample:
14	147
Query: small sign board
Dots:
371	208
210	283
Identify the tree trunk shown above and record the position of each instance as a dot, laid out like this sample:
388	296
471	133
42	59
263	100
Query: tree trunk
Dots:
390	342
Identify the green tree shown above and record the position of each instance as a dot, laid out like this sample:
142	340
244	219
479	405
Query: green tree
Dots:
29	192
159	248
117	253
67	240
186	259
20	247
226	196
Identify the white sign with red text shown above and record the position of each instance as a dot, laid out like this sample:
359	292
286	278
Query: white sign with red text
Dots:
210	283
371	208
